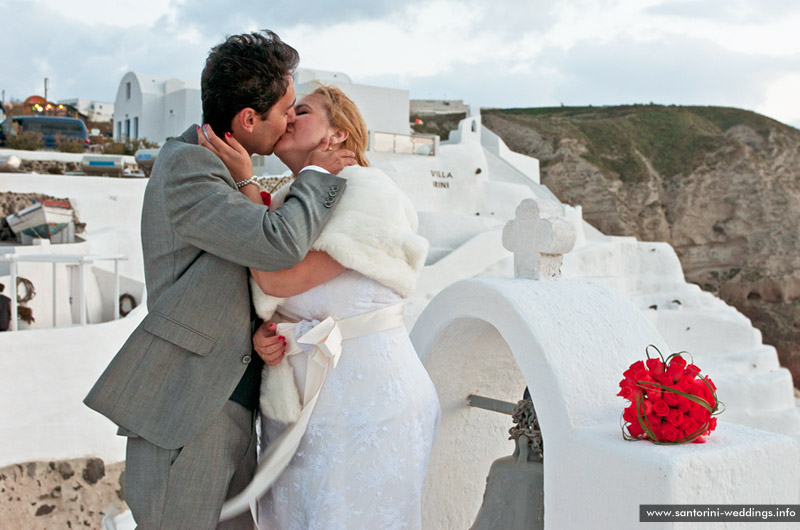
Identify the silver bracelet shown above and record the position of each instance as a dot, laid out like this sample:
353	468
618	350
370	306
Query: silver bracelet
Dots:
251	180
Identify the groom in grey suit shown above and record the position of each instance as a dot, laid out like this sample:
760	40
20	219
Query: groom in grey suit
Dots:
184	387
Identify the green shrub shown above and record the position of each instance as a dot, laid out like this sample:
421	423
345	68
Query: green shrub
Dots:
69	145
128	147
25	141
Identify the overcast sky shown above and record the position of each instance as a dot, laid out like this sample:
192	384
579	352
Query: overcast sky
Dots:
516	53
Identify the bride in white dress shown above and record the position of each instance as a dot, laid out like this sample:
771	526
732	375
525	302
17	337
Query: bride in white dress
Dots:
362	461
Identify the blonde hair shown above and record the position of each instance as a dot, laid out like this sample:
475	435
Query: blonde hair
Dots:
344	114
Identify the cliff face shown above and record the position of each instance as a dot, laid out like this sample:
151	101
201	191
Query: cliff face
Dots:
721	185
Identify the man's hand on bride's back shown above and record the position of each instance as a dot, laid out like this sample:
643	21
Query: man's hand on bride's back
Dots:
331	161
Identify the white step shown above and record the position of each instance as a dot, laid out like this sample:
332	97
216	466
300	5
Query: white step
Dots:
767	391
705	333
761	360
786	421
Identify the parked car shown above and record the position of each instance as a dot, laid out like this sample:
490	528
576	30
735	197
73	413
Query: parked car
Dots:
50	127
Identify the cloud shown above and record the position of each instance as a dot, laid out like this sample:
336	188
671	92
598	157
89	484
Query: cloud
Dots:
767	27
502	54
251	15
728	11
84	60
781	101
680	71
124	13
620	71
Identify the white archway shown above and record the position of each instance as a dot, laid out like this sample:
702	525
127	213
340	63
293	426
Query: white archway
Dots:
569	341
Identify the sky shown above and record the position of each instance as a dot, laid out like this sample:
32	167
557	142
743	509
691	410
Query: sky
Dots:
515	53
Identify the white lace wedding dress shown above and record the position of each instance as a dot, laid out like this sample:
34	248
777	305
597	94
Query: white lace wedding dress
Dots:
362	461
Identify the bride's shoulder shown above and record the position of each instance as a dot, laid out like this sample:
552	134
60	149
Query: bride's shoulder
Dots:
359	172
370	189
366	177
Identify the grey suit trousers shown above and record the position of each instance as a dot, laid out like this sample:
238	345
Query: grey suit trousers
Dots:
176	489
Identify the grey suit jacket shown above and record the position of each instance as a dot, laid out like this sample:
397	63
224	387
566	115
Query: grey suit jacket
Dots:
199	236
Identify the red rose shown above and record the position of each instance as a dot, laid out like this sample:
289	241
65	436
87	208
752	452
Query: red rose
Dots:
684	404
686	383
643	376
675	371
646	408
712	424
678	361
675	417
664	379
635	430
689	426
669	433
699	414
653	393
693	369
654	423
635	367
655	366
661	408
701	390
629	415
671	398
631	393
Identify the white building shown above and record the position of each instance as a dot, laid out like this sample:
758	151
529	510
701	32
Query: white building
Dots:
384	109
155	107
99	111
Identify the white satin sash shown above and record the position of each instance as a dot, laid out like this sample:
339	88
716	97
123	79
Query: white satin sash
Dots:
326	337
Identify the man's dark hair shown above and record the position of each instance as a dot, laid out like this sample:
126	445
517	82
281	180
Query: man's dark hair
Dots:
248	70
2	287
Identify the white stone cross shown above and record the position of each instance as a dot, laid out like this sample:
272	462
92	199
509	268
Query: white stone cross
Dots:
539	237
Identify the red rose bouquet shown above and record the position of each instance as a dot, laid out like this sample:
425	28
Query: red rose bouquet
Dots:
671	403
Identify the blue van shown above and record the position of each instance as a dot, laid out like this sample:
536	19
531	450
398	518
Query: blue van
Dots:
49	127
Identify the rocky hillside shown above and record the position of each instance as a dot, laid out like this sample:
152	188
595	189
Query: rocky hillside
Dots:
721	185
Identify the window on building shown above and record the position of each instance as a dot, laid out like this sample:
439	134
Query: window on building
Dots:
127	128
402	143
119	130
127	91
136	128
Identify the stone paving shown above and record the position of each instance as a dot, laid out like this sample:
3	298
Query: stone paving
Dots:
60	494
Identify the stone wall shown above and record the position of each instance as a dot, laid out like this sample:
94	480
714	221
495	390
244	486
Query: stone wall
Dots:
73	493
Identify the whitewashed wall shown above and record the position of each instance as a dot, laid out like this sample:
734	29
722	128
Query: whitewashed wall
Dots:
44	376
165	106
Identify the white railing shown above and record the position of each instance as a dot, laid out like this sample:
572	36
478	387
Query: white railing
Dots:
411	144
75	259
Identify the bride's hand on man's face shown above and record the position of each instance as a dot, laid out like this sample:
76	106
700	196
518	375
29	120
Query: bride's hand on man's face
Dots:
231	152
332	161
